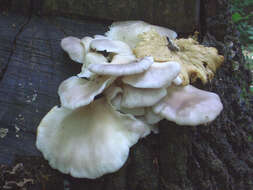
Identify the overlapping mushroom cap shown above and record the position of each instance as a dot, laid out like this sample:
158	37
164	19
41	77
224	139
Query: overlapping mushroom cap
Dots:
89	141
139	82
129	31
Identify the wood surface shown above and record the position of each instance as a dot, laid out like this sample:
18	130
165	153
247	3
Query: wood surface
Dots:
180	15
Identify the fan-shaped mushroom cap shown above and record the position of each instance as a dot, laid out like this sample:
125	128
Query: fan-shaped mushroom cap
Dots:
74	48
189	106
90	141
75	92
106	51
122	69
157	76
136	97
114	95
96	58
128	31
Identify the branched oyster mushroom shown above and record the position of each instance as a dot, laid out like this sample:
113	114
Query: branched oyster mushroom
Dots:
139	72
197	61
106	53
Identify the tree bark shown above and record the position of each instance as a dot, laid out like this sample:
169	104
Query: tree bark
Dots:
214	157
163	12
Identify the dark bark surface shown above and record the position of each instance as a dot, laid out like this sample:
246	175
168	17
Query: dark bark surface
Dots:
214	157
161	12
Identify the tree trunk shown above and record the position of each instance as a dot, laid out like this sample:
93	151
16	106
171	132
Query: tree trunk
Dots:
161	12
214	157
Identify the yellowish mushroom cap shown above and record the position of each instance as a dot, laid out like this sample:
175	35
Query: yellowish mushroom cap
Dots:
197	61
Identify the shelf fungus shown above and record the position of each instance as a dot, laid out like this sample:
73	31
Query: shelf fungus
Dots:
89	141
142	75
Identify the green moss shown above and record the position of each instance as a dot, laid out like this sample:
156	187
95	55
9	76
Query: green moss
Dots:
250	138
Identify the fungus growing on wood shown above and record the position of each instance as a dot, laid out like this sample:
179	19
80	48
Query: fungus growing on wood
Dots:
90	141
137	97
131	68
197	61
141	78
157	76
107	55
128	31
76	92
188	105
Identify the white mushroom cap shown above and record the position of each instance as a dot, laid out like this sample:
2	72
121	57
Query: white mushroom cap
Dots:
128	31
157	76
151	117
96	58
98	36
122	69
91	58
86	43
90	141
112	92
189	106
145	114
120	53
75	92
114	95
74	48
113	46
137	97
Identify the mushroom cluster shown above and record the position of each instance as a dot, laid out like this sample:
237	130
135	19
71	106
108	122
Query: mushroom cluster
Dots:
142	75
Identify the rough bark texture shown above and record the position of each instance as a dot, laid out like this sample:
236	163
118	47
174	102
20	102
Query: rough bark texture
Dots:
218	156
161	12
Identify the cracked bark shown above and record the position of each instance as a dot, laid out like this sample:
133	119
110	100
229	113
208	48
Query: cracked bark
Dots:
11	28
218	156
